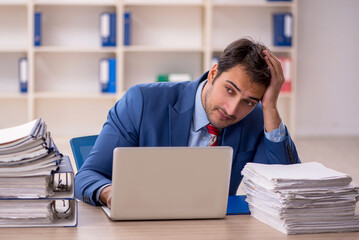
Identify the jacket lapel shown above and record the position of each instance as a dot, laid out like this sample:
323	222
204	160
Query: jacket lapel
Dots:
180	124
232	136
181	114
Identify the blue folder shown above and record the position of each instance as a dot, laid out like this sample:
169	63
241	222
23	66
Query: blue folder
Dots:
37	29
108	29
282	29
23	74
107	75
237	205
127	29
112	76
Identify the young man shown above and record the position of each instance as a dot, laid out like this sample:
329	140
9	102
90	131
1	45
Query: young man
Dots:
237	99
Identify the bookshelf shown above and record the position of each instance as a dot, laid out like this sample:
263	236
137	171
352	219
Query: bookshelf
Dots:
180	36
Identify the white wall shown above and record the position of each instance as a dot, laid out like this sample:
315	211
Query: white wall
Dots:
328	68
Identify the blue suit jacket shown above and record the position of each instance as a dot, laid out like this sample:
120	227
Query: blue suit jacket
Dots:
160	114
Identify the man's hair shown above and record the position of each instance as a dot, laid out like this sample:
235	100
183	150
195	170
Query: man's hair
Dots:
248	54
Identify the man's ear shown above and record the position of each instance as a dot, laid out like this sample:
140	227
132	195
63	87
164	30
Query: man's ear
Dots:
212	73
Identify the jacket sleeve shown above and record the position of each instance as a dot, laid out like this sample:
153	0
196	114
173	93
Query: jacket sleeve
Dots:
270	152
121	129
266	152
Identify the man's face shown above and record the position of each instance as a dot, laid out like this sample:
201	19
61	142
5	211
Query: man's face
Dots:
231	97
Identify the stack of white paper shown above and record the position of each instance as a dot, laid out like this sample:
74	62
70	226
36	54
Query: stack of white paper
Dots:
35	178
31	210
27	158
301	198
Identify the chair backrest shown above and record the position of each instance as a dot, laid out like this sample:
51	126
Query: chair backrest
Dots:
81	148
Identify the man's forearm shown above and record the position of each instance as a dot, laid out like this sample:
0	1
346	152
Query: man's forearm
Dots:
271	118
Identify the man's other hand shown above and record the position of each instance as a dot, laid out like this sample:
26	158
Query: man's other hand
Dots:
270	97
105	195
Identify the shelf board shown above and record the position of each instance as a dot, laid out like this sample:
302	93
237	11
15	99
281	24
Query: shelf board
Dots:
277	49
13	49
74	95
253	4
66	49
162	49
13	95
74	3
11	3
165	4
285	94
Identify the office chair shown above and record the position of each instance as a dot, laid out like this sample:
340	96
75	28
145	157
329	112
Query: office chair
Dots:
81	148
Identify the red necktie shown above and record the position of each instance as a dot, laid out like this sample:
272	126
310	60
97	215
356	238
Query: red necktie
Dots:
213	132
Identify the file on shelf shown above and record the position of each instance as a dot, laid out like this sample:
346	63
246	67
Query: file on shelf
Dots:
108	29
37	29
23	74
283	29
108	75
127	29
174	77
287	71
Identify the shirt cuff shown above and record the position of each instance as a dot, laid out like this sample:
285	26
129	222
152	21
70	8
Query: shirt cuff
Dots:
276	135
98	192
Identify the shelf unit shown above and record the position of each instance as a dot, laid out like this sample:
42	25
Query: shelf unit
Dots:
167	36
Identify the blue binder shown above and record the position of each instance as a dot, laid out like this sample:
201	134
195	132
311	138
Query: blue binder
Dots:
112	76
108	75
127	29
237	205
37	30
104	74
23	74
64	205
283	29
108	29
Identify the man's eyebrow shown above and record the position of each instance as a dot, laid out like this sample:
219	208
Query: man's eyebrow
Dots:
235	86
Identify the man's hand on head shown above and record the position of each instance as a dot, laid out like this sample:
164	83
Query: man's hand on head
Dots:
105	195
270	97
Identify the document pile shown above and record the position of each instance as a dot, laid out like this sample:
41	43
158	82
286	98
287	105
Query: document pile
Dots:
301	198
36	180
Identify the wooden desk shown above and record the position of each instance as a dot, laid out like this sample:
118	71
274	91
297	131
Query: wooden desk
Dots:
94	224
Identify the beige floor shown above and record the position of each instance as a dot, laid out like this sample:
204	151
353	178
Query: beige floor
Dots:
339	153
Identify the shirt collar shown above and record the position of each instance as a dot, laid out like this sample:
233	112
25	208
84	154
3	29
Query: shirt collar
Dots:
200	119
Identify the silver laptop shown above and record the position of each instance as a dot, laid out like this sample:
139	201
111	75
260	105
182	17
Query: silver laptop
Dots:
170	183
